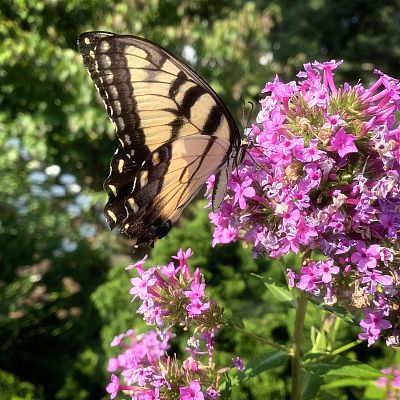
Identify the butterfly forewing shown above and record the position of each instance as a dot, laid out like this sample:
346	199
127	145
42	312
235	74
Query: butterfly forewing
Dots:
153	99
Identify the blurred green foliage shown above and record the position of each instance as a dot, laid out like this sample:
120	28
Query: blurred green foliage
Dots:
63	290
13	388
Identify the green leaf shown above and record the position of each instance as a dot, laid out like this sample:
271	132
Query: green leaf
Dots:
342	366
345	382
236	321
374	393
339	311
269	360
311	385
319	339
279	291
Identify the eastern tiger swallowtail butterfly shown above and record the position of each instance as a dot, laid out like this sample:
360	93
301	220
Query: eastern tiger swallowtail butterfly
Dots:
173	130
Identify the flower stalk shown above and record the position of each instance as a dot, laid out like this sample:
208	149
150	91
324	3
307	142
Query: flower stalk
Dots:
296	347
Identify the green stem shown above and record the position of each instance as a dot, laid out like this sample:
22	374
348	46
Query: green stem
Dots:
335	352
296	347
346	347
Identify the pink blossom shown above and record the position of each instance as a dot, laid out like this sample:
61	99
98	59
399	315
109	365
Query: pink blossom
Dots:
291	276
225	235
113	387
183	256
141	285
327	269
212	393
170	297
138	265
196	290
193	392
343	143
243	190
311	153
197	307
325	176
363	257
113	364
375	277
371	335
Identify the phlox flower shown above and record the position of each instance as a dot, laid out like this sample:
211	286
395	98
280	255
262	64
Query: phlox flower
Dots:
138	264
326	270
192	392
343	143
224	235
197	307
243	190
170	296
324	176
141	285
370	334
394	387
113	387
365	257
212	393
375	277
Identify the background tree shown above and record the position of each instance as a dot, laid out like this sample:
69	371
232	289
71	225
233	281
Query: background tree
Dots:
61	270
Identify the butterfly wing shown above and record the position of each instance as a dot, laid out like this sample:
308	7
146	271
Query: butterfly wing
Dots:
223	174
153	100
167	181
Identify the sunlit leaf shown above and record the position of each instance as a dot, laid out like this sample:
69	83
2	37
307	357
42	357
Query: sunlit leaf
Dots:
342	366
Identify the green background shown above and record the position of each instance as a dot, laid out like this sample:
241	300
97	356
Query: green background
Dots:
63	289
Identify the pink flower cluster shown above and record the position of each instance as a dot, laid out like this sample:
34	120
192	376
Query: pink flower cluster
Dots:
170	296
393	386
137	363
322	176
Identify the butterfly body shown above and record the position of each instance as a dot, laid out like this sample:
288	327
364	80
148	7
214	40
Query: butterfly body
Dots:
173	130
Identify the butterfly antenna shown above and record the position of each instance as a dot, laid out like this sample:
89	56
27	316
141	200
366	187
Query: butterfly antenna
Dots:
243	109
250	113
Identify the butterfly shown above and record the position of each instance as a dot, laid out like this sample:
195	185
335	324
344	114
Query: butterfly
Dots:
174	132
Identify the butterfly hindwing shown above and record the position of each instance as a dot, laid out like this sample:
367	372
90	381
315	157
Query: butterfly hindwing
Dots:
154	100
118	185
168	180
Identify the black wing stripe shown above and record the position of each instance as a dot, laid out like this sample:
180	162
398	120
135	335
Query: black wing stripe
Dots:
180	80
213	121
190	98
